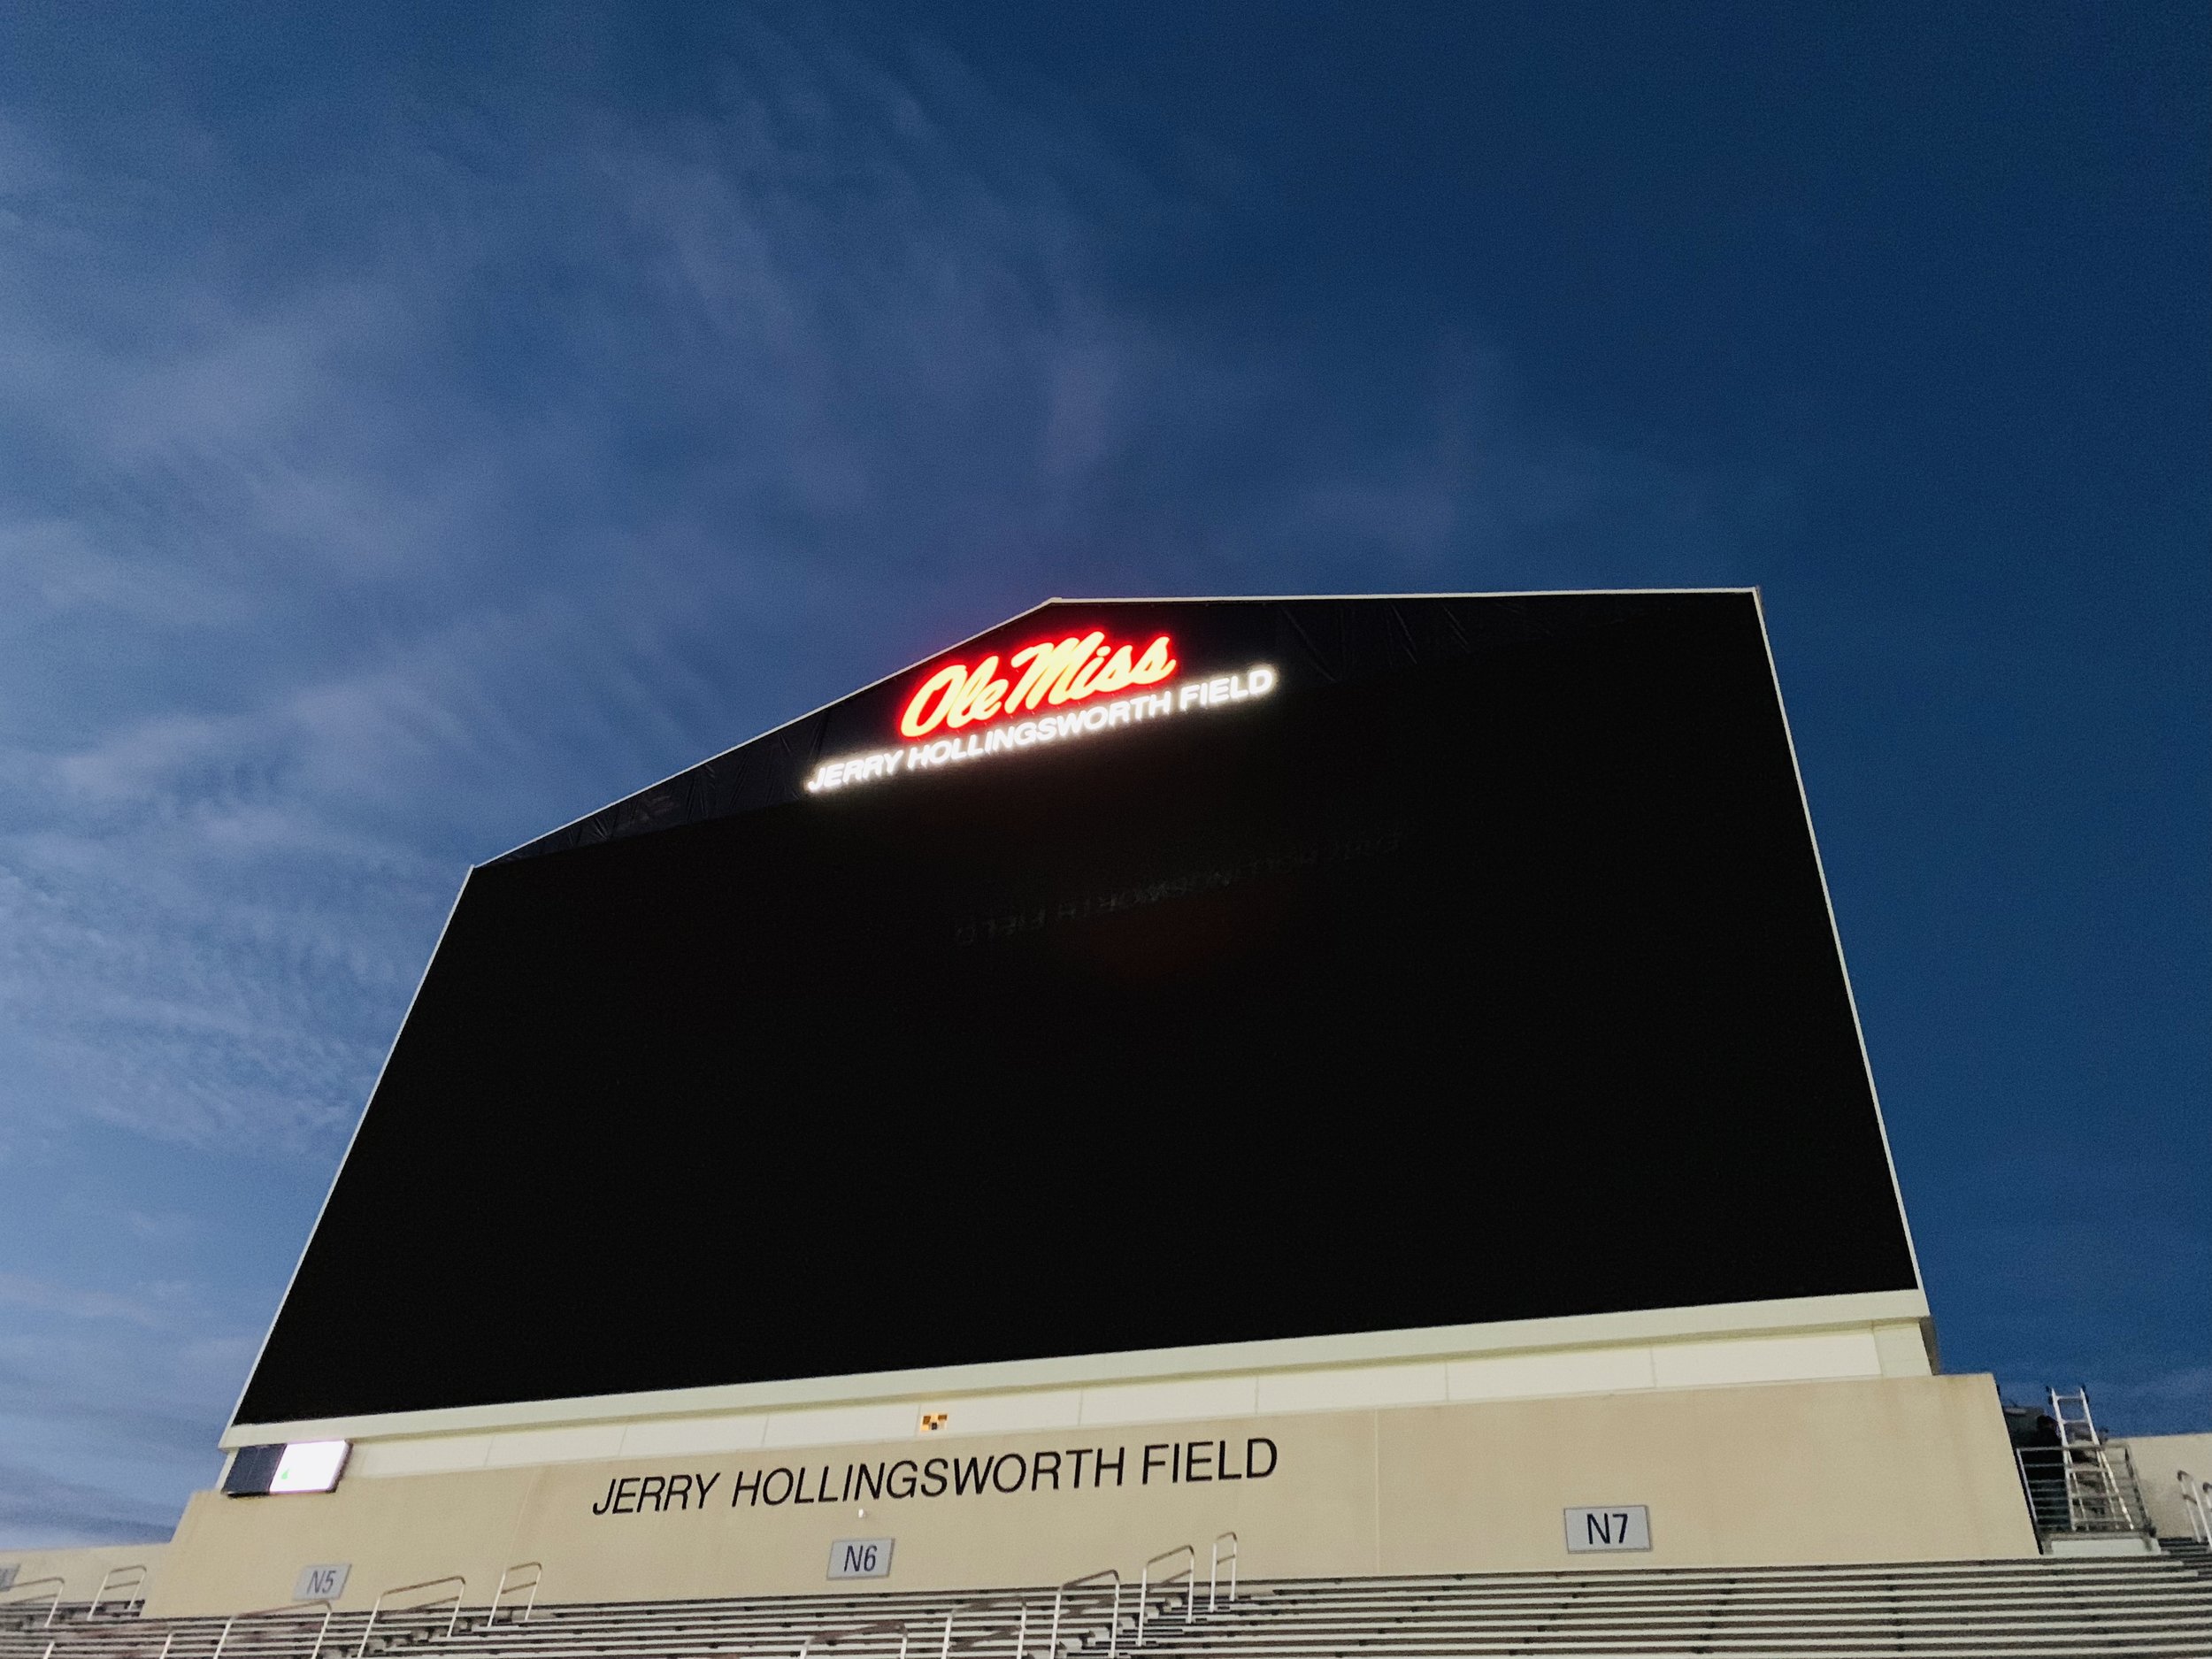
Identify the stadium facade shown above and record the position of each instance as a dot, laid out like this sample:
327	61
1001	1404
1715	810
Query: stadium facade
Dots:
1375	1077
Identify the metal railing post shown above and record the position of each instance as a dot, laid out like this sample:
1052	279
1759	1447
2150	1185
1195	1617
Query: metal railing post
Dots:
53	1600
1213	1577
461	1586
499	1590
108	1577
1144	1586
302	1608
1061	1596
2192	1505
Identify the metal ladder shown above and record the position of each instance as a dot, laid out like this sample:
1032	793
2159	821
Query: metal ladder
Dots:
2096	1498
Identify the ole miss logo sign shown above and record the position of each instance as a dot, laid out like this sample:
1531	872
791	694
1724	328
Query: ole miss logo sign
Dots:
1073	670
1044	693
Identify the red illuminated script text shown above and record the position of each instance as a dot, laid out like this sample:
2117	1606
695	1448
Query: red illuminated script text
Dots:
1071	671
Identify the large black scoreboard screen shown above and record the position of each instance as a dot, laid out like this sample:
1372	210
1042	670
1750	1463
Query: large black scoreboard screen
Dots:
1135	975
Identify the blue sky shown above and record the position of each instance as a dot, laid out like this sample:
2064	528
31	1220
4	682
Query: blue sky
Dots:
419	426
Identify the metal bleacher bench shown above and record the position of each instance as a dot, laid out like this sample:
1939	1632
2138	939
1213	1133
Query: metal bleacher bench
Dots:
2151	1606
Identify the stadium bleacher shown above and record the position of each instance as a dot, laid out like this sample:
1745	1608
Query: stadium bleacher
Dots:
2153	1606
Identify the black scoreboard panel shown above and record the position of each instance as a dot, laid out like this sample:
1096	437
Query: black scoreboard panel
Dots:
1454	960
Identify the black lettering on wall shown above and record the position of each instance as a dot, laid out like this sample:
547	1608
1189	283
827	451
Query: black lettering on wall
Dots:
967	1471
973	1475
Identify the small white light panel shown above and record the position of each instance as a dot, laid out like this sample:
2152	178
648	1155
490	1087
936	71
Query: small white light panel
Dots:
309	1466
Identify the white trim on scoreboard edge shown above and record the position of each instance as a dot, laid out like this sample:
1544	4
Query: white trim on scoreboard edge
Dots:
1806	1315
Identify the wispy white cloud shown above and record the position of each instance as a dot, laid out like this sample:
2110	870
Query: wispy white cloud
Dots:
107	1397
20	1290
42	1510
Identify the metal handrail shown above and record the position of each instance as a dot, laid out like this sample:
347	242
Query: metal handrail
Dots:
831	1638
108	1577
1021	1636
377	1607
1113	1624
904	1626
53	1600
2194	1494
1213	1576
957	1609
2079	1488
520	1566
1062	1598
1190	1594
315	1652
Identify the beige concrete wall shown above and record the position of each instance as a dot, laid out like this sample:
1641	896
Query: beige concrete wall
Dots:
1883	1469
2157	1459
80	1569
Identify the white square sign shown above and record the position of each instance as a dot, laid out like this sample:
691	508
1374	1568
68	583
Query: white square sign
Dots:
1609	1526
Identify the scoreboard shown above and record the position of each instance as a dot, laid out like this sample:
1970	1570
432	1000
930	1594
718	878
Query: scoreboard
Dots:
1135	976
